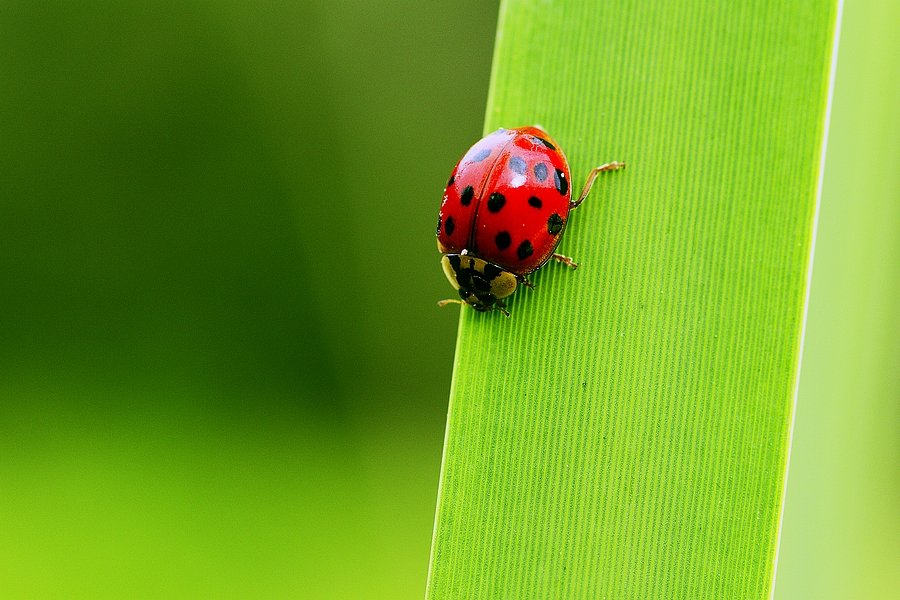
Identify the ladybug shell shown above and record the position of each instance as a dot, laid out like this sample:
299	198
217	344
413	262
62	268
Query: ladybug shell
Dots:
507	200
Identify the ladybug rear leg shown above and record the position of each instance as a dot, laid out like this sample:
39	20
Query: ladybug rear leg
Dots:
565	260
613	166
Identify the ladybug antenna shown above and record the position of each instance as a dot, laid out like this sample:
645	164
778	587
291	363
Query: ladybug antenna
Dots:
613	166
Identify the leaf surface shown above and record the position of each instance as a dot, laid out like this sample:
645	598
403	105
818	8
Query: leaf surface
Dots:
625	434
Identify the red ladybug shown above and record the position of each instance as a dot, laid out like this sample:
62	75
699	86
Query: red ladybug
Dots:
504	211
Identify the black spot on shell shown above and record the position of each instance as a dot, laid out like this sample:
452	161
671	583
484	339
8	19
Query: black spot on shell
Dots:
503	240
449	226
535	202
466	197
544	142
451	180
438	232
562	184
540	171
482	154
496	202
524	250
492	271
554	224
517	165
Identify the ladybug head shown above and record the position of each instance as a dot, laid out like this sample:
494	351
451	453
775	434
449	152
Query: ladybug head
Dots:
481	285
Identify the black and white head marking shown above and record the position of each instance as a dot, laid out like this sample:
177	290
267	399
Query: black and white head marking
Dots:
482	285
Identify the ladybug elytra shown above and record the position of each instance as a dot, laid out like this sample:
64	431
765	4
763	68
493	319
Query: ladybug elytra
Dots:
504	211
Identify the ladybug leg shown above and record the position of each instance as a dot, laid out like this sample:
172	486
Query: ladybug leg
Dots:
498	306
443	303
525	281
613	166
565	260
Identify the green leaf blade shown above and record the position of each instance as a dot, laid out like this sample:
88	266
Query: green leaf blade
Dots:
625	433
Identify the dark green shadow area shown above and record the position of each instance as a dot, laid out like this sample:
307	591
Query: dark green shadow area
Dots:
223	373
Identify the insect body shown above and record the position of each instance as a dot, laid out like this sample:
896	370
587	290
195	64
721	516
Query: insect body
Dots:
504	211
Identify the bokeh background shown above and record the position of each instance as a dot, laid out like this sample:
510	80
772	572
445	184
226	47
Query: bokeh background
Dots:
222	372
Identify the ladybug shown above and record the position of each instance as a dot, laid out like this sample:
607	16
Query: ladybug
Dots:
504	211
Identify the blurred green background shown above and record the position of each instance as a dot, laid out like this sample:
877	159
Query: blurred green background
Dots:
222	372
841	522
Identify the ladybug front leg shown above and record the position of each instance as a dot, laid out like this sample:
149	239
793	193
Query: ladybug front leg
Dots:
525	281
502	308
443	303
565	260
498	306
613	166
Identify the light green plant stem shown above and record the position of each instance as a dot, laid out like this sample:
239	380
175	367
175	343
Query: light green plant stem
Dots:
625	434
